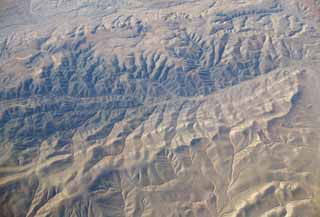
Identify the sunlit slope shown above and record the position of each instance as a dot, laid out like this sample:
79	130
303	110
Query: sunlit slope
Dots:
159	108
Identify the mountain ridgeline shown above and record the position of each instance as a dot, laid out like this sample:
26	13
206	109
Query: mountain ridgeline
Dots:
159	108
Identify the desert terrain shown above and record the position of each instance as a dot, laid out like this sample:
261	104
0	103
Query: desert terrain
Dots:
159	108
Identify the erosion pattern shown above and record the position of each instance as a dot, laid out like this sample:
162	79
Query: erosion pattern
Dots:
159	108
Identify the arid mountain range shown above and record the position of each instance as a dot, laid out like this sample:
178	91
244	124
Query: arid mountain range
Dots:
159	108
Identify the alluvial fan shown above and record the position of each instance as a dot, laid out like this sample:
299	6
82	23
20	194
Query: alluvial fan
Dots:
136	108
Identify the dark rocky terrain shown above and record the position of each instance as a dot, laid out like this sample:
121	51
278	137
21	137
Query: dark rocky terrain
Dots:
159	108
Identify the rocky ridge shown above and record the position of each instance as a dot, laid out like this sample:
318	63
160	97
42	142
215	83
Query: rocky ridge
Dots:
158	108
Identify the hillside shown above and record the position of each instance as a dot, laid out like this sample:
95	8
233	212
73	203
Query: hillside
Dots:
136	108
